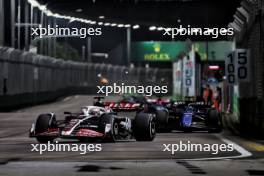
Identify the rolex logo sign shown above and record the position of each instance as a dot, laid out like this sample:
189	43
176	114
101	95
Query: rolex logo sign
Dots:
156	54
156	47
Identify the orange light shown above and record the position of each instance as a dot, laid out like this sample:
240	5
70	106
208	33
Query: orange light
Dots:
104	80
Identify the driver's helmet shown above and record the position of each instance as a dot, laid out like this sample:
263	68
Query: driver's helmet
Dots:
108	109
84	111
94	111
190	108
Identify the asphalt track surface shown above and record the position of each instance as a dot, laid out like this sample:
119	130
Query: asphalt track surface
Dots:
121	158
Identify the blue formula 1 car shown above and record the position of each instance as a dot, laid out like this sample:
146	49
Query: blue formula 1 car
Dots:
194	116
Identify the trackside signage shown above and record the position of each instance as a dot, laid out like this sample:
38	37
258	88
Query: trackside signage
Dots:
237	66
158	51
242	65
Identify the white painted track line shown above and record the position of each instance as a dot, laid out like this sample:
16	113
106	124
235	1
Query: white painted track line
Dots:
243	152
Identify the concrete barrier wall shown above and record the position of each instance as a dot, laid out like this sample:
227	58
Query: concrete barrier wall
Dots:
251	94
28	78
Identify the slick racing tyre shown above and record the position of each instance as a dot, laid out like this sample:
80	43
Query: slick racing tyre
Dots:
144	127
43	123
162	117
214	121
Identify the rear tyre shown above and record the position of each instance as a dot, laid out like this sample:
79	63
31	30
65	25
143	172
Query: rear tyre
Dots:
162	117
144	127
214	121
43	123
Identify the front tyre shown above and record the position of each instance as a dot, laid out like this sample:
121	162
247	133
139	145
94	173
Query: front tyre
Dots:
144	127
43	124
109	123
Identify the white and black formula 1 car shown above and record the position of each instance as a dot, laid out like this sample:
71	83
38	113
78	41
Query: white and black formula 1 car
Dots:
94	123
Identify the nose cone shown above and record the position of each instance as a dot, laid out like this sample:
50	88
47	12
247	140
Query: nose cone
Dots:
187	120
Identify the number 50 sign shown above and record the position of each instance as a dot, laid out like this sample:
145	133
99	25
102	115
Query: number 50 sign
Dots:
237	66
